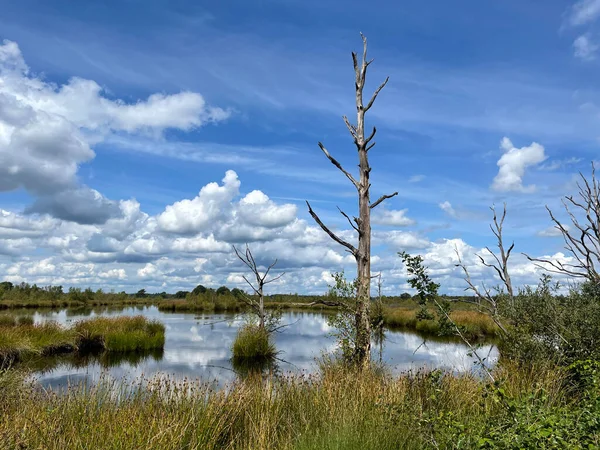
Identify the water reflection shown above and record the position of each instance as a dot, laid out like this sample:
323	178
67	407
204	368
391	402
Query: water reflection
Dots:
199	346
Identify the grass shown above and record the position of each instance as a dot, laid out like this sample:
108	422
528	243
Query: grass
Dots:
199	304
337	409
252	343
21	339
474	324
120	334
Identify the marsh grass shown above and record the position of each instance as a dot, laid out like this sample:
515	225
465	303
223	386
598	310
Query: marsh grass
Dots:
22	339
475	325
201	304
253	343
337	409
120	334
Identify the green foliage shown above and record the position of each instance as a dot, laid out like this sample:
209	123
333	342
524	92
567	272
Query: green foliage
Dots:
199	290
427	293
343	322
223	290
420	280
543	325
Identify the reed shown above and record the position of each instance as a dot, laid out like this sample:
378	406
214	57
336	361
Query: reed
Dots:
22	340
336	409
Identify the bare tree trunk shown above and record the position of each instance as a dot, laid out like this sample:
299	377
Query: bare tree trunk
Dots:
361	224
261	308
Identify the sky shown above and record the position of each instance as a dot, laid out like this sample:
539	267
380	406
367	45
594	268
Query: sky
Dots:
140	141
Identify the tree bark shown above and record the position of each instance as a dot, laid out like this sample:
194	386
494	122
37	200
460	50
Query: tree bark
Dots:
362	253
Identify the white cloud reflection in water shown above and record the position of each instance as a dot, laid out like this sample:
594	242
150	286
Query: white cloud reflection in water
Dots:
198	346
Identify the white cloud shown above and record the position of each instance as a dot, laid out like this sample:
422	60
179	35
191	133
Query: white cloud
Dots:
584	48
583	12
551	232
193	216
118	274
513	164
416	178
394	218
447	208
560	163
257	209
400	240
46	133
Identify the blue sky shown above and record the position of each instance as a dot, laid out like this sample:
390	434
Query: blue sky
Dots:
163	98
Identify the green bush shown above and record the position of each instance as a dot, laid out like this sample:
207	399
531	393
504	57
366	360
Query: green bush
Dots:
544	326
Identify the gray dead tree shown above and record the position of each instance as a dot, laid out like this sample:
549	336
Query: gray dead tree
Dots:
258	306
486	299
582	239
362	223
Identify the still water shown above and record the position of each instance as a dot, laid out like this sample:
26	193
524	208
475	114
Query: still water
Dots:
199	346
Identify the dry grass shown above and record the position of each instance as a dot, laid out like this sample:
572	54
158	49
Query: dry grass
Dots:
339	409
474	324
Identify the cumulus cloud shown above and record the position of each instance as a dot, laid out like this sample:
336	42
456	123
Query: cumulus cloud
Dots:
513	164
400	240
257	209
585	48
394	218
46	133
212	203
82	205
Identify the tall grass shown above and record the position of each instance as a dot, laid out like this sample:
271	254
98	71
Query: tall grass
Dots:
337	409
22	340
120	334
474	324
252	343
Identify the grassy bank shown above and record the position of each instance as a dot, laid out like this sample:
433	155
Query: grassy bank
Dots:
21	339
201	304
339	409
474	324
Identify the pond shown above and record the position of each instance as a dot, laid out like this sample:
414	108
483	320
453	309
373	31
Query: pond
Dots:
198	346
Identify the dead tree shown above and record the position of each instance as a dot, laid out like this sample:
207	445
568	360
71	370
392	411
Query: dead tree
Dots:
484	298
582	241
362	223
258	306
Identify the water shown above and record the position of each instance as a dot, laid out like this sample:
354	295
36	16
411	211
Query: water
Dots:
199	346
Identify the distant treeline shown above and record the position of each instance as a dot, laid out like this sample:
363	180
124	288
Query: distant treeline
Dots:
25	293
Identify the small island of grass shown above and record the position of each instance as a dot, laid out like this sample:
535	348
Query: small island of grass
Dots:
20	338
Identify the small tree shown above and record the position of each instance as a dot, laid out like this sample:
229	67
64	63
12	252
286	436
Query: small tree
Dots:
258	306
362	223
199	290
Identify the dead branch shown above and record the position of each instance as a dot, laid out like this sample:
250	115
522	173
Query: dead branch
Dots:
582	242
484	299
382	198
348	219
331	234
336	163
